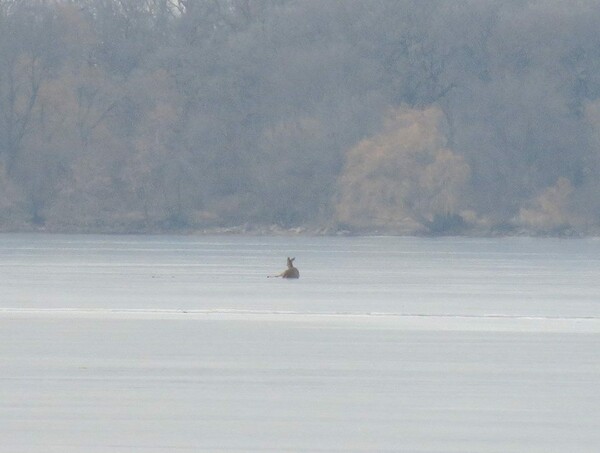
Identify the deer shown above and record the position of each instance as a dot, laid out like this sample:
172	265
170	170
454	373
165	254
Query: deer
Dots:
290	272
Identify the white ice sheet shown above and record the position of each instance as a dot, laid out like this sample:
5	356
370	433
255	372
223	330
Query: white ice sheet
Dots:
74	381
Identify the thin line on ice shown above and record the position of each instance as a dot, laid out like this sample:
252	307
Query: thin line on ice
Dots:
414	321
211	311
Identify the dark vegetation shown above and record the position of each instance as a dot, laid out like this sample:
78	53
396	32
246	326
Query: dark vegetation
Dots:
399	117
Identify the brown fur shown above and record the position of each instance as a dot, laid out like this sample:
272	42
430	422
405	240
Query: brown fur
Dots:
290	272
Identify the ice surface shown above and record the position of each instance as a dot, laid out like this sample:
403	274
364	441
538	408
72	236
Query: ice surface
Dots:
137	344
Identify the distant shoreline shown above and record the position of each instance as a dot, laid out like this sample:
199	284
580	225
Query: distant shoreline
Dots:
276	230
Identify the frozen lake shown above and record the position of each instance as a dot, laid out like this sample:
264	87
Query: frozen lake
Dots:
162	344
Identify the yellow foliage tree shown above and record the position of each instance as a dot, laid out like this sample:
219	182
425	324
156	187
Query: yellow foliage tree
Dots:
404	179
549	210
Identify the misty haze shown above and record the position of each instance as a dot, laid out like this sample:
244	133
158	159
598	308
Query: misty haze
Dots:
299	226
394	117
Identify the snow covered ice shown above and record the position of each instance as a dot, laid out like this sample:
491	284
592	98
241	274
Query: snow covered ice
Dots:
138	344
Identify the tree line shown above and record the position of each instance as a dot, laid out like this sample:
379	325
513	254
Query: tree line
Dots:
390	116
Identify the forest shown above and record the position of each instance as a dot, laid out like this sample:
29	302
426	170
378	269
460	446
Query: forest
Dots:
408	117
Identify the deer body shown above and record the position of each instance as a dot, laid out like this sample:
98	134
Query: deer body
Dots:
291	271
